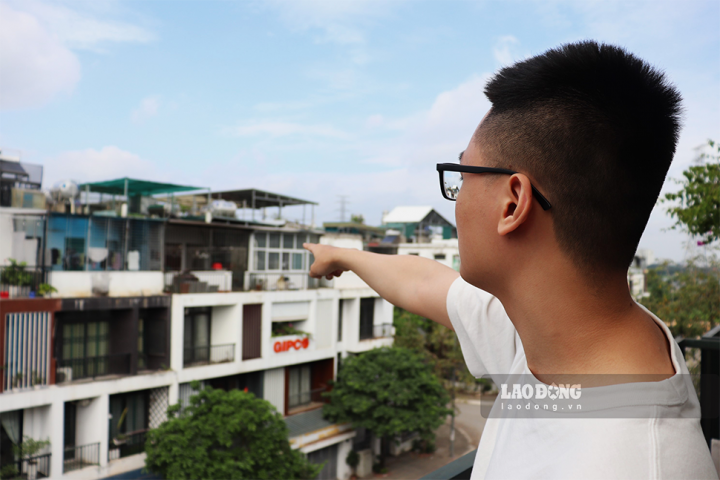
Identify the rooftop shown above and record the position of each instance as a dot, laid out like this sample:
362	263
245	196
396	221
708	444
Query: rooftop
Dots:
131	187
407	214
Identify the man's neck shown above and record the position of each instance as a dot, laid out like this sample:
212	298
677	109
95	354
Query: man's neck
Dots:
570	327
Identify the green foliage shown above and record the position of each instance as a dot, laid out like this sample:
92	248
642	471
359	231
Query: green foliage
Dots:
280	329
29	447
687	299
698	211
352	459
359	218
389	391
437	343
225	435
15	274
44	289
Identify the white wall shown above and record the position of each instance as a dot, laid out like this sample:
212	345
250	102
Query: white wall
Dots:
225	328
117	284
324	320
274	388
87	431
36	423
449	248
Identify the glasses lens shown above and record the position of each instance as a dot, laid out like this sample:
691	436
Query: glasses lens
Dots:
452	181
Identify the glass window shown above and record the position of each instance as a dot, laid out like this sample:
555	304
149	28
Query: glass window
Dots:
274	240
314	238
260	239
286	261
297	261
259	259
300	238
273	261
288	240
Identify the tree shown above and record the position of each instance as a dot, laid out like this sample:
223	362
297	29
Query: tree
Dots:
225	435
698	211
687	299
359	218
389	391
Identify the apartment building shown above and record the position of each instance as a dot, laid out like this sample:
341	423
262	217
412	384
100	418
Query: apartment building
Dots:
151	296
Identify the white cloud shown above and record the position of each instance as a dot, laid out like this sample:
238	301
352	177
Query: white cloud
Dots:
83	29
505	50
91	165
37	38
283	129
148	107
34	64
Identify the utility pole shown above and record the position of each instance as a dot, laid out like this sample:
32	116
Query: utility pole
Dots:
343	201
452	420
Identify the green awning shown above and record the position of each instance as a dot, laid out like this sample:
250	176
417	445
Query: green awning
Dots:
135	187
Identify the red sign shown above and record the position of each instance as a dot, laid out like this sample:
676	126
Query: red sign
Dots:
286	345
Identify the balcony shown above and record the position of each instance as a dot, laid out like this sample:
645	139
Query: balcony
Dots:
208	354
37	466
370	332
459	469
92	367
127	444
81	456
285	281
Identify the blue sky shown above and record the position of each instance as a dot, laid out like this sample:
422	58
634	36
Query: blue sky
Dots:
313	99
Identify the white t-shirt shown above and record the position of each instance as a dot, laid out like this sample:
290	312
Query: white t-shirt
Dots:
663	440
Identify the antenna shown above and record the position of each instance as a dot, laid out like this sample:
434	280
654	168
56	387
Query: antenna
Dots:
343	201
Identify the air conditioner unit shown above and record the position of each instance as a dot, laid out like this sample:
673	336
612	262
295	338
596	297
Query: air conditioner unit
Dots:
63	374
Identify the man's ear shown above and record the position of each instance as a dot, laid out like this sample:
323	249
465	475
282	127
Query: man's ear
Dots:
517	202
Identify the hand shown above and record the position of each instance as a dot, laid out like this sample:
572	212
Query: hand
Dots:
326	262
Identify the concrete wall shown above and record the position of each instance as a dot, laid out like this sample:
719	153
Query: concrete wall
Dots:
449	248
36	423
325	324
274	388
116	284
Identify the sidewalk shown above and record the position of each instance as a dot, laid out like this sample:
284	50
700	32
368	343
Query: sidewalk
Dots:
412	465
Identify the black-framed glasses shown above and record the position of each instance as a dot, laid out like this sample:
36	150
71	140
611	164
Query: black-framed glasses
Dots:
451	180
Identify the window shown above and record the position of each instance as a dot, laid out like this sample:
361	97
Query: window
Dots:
85	348
413	253
367	315
273	261
298	386
286	261
456	263
141	344
259	259
196	335
274	240
340	321
300	238
439	256
297	261
288	240
260	239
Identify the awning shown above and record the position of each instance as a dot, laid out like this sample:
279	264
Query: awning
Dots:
132	187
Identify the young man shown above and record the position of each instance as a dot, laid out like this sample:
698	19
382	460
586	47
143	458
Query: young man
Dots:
578	142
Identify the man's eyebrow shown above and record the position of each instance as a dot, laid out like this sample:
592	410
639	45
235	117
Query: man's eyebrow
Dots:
460	156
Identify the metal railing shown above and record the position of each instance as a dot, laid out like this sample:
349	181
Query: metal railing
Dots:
383	330
459	469
291	281
307	397
709	395
75	458
90	367
30	468
127	444
207	354
29	278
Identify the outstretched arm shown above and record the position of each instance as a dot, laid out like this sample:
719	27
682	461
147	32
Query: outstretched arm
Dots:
418	285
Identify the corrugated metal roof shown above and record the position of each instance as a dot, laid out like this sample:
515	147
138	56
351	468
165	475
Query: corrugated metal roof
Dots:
407	214
306	422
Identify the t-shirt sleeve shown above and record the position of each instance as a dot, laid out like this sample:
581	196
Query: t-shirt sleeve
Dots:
486	334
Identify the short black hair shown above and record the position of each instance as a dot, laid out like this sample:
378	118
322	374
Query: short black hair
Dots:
596	128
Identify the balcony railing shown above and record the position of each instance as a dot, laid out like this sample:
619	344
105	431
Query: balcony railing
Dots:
307	397
459	469
128	444
37	466
81	456
383	330
29	277
91	367
290	281
208	354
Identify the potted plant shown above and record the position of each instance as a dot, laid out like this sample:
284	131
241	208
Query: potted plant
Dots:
45	289
27	450
15	280
353	459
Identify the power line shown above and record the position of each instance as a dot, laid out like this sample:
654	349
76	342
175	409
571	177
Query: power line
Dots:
343	201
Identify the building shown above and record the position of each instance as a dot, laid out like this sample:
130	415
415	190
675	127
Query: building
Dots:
152	293
418	224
